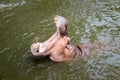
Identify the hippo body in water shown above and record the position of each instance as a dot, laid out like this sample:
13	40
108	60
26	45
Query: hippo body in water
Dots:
58	47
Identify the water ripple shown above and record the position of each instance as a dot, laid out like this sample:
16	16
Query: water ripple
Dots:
5	49
11	5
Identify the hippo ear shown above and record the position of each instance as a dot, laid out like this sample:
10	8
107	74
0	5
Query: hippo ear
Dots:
36	39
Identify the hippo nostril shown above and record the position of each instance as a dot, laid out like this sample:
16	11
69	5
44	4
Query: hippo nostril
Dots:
37	50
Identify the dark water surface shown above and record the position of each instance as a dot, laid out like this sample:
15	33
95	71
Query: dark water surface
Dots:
89	21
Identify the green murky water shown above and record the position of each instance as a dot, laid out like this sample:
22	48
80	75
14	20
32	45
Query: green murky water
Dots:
89	21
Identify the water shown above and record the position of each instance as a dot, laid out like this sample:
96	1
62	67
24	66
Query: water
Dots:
89	21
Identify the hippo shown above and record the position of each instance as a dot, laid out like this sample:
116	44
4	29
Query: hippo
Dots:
59	47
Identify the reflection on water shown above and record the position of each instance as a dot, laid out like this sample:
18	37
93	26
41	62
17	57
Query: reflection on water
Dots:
11	5
89	21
